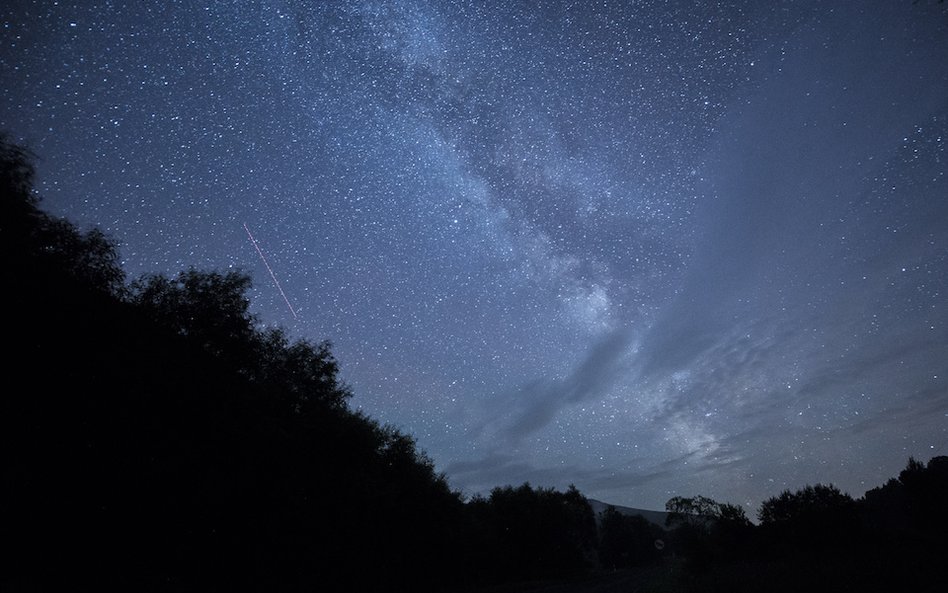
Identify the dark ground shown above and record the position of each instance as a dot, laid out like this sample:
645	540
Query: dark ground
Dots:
656	579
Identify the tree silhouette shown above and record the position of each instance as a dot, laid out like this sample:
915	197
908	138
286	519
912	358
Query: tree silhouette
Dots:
626	541
46	252
697	512
912	505
304	373
812	521
208	308
811	503
527	533
706	531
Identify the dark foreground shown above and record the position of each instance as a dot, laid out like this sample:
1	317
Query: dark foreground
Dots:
660	579
925	575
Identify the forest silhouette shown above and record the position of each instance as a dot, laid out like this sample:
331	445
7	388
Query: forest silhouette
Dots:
156	437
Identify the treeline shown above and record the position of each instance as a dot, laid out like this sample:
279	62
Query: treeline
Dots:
818	538
156	437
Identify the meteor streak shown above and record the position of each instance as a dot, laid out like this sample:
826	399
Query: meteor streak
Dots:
269	269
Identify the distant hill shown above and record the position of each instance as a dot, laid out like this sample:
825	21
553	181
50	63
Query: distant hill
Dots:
656	517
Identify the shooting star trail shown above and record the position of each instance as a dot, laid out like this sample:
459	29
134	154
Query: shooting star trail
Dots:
269	269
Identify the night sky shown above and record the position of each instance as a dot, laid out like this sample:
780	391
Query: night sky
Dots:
649	248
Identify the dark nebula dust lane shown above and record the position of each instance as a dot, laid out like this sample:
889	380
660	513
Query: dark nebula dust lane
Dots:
650	248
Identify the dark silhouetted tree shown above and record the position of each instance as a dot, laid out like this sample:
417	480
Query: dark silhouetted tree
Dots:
304	373
208	308
706	531
527	533
696	512
811	521
41	251
817	502
912	505
627	540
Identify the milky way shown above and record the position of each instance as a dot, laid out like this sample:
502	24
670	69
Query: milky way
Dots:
649	248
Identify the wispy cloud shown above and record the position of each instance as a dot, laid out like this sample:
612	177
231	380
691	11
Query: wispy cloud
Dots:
533	406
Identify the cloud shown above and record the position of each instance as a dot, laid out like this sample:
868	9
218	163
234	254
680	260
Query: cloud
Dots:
508	420
539	402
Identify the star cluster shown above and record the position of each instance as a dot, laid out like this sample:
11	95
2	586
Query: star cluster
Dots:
649	248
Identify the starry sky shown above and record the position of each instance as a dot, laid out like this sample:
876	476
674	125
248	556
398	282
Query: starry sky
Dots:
649	248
